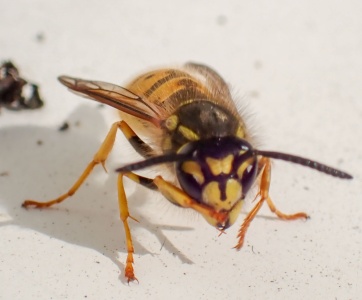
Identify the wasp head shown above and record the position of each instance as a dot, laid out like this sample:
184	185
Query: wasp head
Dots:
218	174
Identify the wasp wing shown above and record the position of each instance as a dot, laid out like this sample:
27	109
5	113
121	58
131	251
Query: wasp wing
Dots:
115	96
212	78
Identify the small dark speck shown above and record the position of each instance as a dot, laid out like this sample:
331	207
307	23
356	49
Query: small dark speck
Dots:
356	228
97	262
306	188
258	64
39	142
5	173
77	123
254	94
64	127
40	37
162	245
101	105
221	20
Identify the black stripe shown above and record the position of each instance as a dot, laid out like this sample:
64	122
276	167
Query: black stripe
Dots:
147	182
160	82
187	94
140	146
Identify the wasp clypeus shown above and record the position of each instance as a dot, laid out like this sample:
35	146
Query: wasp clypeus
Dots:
190	116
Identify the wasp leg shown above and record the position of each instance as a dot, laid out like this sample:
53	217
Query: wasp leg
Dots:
140	146
99	158
283	216
176	196
172	193
265	167
124	215
180	198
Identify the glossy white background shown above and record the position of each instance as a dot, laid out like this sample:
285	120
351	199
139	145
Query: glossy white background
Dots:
297	67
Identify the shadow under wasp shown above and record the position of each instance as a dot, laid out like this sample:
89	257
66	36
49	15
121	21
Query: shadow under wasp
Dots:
190	116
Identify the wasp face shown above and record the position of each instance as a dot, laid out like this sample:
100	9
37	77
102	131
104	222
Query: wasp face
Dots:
219	174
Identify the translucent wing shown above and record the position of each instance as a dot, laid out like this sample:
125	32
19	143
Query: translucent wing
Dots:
115	96
212	78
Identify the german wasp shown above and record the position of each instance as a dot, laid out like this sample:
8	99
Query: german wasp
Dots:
190	116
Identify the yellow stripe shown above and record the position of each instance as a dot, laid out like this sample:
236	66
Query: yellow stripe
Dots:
194	169
188	133
218	166
243	167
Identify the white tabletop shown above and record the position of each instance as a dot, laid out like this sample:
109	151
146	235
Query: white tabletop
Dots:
296	68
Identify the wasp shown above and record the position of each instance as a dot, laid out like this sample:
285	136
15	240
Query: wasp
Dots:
189	115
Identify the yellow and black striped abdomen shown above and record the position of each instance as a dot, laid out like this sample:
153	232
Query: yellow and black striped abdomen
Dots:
165	90
168	87
191	105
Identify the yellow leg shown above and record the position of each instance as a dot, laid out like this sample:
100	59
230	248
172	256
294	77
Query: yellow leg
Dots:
300	215
124	214
172	193
179	197
99	158
265	167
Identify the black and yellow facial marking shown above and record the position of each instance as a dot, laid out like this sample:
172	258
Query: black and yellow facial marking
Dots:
243	166
222	196
193	168
216	176
220	166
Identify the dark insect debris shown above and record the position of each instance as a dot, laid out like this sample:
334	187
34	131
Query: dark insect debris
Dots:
12	94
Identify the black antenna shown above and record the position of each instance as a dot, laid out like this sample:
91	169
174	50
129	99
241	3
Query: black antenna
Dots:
305	162
156	160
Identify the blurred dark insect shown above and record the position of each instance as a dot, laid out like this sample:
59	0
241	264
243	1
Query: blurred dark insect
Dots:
64	127
15	92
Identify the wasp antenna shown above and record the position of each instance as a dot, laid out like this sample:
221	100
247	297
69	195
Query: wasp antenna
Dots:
156	160
305	162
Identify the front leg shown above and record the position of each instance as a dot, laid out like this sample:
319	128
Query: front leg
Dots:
178	197
99	158
265	167
174	194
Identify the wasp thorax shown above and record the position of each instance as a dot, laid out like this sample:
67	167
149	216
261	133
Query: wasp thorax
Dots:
219	173
198	120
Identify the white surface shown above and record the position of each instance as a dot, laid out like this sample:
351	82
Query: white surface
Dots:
297	64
